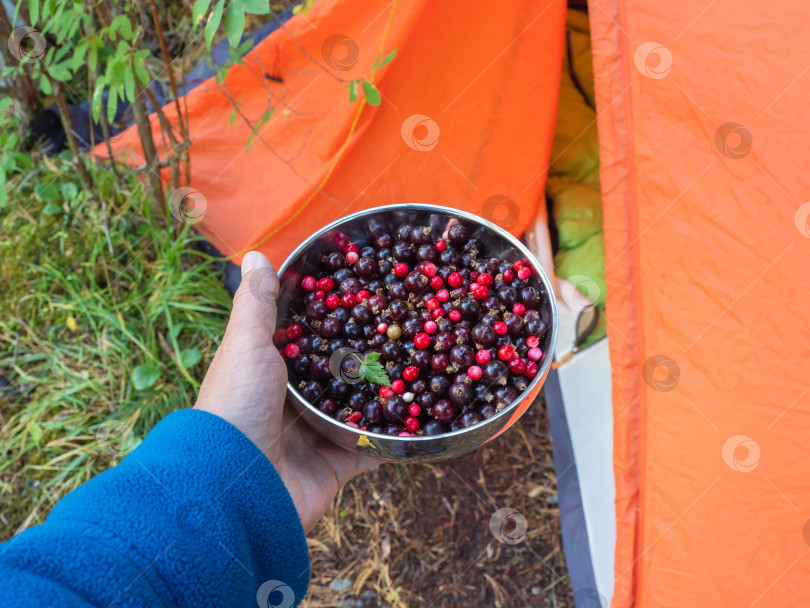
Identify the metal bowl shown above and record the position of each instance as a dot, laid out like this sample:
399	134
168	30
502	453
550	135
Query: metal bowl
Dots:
498	243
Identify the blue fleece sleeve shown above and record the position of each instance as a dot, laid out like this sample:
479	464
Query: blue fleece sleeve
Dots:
194	516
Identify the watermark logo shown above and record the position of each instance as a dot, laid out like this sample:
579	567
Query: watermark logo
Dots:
741	453
501	210
345	364
263	284
508	526
26	44
586	597
580	291
340	52
275	594
653	60
661	373
733	140
802	220
427	136
187	205
115	437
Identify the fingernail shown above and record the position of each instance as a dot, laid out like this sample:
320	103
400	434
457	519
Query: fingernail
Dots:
252	259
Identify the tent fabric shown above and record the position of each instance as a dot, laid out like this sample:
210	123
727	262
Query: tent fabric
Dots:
451	129
703	131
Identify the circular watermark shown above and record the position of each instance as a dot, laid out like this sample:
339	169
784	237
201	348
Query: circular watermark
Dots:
580	292
115	437
653	60
661	373
26	44
429	131
741	453
187	205
802	220
263	284
733	140
502	210
501	530
345	364
586	597
275	594
340	52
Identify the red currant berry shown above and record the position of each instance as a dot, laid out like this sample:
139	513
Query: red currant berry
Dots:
421	340
506	352
354	425
518	308
348	300
309	283
475	372
500	328
454	315
326	284
531	369
410	373
532	341
474	286
534	353
352	257
398	386
291	350
401	269
429	269
414	410
485	279
436	282
524	273
438	313
508	275
455	279
319	294
352	248
518	265
443	295
431	327
412	424
332	301
481	293
386	392
355	416
382	328
294	331
363	295
433	304
441	245
517	366
482	356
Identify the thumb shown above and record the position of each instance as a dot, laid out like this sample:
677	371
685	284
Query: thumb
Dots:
254	304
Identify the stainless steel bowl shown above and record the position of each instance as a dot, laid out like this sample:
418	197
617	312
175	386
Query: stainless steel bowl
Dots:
424	448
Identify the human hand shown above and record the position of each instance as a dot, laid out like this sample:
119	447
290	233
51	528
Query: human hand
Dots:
246	385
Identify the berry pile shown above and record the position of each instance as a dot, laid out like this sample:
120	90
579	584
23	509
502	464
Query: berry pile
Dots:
458	333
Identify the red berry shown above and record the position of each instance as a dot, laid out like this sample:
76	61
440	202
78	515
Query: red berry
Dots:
534	353
454	315
332	301
355	417
455	279
485	279
352	424
421	340
412	424
363	427
433	303
443	295
291	350
431	327
309	283
401	269
473	285
518	308
519	264
438	313
482	356
319	294
348	300
342	240
441	245
524	273
410	373
398	386
414	409
508	275
363	295
506	352
517	366
500	328
481	293
351	247
531	369
475	372
294	331
429	269
532	341
436	282
386	392
326	284
352	257
382	328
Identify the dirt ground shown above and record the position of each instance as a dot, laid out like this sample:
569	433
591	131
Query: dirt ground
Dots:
419	536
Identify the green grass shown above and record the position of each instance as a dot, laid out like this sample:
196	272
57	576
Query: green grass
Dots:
76	321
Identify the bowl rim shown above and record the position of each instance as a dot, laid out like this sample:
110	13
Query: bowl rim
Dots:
541	373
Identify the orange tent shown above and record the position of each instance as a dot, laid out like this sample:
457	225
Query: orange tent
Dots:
700	113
